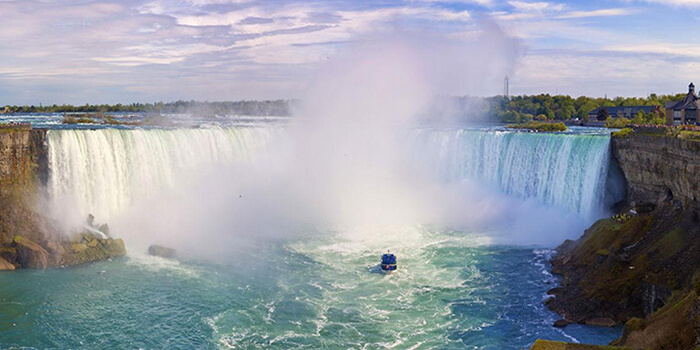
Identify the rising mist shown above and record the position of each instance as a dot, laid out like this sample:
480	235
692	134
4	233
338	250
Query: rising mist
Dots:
343	161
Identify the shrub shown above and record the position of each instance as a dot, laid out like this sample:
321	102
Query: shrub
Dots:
623	133
540	126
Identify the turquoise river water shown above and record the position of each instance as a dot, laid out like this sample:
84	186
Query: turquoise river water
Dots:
318	288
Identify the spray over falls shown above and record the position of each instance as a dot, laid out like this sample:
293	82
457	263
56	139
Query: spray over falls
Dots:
105	172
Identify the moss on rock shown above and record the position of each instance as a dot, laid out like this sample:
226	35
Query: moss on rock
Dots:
638	272
95	250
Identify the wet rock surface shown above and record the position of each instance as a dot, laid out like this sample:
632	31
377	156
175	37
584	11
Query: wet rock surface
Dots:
161	251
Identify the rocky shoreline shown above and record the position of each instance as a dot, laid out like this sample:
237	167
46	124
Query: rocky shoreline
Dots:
641	268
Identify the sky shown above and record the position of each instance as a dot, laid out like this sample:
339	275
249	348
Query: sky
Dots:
90	51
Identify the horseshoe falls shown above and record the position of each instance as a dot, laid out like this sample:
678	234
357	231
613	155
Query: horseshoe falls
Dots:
302	282
106	170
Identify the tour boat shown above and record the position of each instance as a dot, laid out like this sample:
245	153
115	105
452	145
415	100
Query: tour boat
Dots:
388	262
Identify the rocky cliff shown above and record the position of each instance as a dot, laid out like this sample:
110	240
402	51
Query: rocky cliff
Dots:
641	268
28	239
21	151
658	166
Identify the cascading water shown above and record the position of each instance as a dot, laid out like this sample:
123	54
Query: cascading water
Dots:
563	170
103	171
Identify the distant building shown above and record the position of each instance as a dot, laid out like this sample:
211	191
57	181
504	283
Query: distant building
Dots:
684	112
626	111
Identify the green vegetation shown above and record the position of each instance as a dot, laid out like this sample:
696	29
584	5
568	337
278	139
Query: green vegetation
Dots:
617	123
684	132
623	133
513	109
261	108
540	126
521	109
689	135
72	119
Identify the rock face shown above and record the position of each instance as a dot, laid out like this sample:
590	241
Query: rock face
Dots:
5	265
22	156
658	166
63	251
30	254
89	248
620	270
675	326
163	252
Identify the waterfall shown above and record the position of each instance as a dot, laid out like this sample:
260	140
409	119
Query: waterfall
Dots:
570	171
103	171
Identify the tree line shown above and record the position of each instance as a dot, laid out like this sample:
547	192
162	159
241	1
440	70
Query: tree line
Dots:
513	109
256	108
519	109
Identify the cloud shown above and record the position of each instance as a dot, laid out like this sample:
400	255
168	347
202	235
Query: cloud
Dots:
146	50
523	6
676	3
597	13
659	48
601	72
483	3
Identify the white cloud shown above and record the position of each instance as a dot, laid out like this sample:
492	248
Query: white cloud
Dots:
596	73
484	3
660	48
523	6
675	2
597	13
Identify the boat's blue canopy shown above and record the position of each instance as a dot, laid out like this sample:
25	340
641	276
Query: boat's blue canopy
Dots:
389	259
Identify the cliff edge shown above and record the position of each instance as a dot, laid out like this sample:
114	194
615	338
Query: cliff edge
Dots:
659	166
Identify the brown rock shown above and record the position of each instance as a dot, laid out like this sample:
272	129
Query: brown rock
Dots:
78	247
555	291
658	168
161	251
601	322
30	254
561	323
5	265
